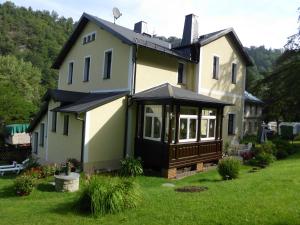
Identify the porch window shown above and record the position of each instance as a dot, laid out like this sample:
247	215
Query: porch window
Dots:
153	122
168	115
188	124
208	124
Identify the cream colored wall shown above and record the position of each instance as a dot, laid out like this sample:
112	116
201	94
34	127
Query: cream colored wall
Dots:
41	153
60	146
95	49
154	68
223	88
105	131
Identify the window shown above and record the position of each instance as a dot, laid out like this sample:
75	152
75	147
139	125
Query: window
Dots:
188	124
216	66
231	124
107	64
54	118
250	127
89	38
208	124
181	73
66	125
256	110
233	72
70	72
153	122
86	72
35	142
42	134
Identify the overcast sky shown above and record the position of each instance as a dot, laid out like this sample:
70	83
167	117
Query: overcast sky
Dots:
256	22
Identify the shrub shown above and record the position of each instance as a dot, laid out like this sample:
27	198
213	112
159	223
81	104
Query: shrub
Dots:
262	159
49	170
247	155
32	163
282	154
35	172
267	147
103	195
287	132
131	167
229	168
24	185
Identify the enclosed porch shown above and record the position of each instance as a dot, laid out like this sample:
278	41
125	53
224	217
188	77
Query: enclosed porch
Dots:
177	129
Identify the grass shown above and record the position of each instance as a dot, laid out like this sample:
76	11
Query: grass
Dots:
269	196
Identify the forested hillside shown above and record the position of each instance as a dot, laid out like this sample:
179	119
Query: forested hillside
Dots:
29	42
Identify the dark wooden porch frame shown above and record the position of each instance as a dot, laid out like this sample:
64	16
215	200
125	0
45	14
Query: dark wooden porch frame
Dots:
169	155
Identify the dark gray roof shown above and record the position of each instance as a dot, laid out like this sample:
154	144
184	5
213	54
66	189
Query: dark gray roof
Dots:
74	102
251	98
63	96
90	101
128	36
168	92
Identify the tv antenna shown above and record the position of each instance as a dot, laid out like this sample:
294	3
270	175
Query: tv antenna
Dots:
116	13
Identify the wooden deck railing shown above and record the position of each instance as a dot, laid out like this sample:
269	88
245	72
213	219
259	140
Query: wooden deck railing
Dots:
183	154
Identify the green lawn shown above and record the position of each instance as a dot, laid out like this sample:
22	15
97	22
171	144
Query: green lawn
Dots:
269	196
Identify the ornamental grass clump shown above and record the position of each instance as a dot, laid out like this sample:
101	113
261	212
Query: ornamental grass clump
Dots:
108	195
131	167
229	168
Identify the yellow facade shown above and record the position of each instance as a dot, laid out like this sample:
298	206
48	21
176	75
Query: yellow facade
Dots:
104	137
223	88
96	49
154	68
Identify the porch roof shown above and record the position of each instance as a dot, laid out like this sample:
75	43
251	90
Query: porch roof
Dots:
167	92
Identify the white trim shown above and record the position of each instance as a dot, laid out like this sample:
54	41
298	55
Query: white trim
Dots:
198	72
188	117
71	61
152	115
89	34
86	138
87	56
103	63
208	118
130	70
220	93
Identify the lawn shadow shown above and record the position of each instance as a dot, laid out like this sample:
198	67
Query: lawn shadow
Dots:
69	207
46	187
209	180
7	192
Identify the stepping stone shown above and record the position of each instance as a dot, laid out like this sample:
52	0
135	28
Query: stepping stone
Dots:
168	185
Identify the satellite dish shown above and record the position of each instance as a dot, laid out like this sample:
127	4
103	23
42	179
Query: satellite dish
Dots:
116	13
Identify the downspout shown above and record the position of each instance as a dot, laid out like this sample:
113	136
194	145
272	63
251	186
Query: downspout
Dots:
128	103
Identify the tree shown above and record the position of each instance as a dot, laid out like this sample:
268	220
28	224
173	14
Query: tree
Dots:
20	89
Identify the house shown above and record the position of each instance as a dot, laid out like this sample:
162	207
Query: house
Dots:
123	92
252	114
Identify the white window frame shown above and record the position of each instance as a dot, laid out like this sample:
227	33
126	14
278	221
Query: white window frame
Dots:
208	118
103	64
88	56
183	74
68	77
86	36
218	74
153	115
188	117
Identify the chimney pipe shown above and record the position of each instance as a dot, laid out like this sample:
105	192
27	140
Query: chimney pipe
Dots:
190	30
141	27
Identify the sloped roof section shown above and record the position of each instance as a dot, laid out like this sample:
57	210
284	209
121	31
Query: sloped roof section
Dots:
90	101
126	35
251	98
168	92
73	102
